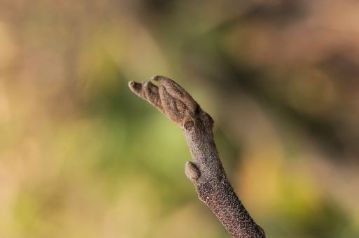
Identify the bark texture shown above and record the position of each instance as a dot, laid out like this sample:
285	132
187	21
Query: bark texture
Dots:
205	170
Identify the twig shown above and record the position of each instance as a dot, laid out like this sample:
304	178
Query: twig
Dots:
205	171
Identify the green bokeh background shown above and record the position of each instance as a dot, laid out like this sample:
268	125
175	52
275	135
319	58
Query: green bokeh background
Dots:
80	156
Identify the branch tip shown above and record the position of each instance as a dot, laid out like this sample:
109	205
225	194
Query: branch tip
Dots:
135	87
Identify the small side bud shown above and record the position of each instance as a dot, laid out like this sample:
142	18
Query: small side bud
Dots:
192	172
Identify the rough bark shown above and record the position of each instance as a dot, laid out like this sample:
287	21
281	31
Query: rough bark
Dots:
205	171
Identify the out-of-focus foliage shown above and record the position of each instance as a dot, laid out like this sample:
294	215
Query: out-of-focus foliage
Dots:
82	157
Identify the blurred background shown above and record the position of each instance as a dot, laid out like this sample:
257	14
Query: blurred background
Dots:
80	156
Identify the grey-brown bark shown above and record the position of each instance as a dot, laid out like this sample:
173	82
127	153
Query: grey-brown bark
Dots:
205	171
